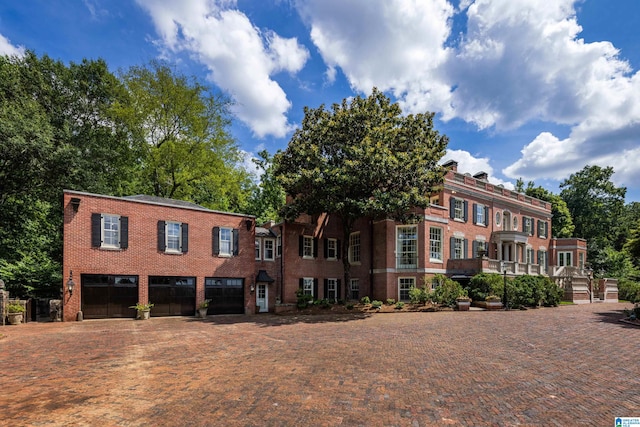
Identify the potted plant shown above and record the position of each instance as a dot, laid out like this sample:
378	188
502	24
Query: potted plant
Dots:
203	308
15	313
144	310
493	302
463	302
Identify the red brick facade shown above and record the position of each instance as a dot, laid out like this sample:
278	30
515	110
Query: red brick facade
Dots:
142	258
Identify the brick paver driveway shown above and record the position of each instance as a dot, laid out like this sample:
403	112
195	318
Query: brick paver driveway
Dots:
572	365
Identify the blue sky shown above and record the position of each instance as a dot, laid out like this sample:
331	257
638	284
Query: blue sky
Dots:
535	89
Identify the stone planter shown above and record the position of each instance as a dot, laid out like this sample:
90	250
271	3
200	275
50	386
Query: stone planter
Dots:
493	305
15	318
202	312
463	305
143	314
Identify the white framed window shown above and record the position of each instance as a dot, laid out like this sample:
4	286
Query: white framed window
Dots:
542	260
515	222
458	248
498	218
110	231
173	236
407	246
226	241
307	286
307	247
354	247
542	228
480	215
354	289
332	290
404	286
458	209
332	249
530	255
269	249
527	225
435	244
258	249
565	259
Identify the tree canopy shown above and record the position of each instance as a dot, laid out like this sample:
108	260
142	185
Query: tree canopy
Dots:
362	158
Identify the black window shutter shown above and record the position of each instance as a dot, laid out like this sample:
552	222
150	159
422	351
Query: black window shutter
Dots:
338	250
301	245
96	230
215	239
315	288
161	236
185	237
124	232
465	209
236	241
539	256
338	294
465	249
475	213
474	249
326	287
301	283
486	215
452	246
452	208
315	247
325	248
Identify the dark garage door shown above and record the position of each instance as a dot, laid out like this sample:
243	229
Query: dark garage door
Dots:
105	296
226	295
172	296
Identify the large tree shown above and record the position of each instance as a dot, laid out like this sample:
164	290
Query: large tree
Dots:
362	158
181	133
596	206
267	197
561	221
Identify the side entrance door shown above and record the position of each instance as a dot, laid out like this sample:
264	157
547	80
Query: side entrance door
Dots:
262	297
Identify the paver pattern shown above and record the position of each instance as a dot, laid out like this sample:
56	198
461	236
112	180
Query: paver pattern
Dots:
571	365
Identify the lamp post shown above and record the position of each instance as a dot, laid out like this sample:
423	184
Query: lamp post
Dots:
504	288
590	279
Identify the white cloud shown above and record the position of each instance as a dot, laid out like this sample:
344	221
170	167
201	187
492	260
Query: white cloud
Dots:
240	57
518	62
467	163
8	49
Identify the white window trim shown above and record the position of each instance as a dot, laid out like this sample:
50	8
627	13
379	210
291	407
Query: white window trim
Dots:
305	246
498	219
167	249
456	210
102	232
258	249
563	255
279	246
351	248
273	249
220	252
441	251
308	281
480	216
354	282
335	249
333	282
399	252
400	279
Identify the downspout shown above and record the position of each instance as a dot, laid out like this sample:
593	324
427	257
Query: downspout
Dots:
371	257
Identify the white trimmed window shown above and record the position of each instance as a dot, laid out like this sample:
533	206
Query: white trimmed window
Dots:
564	259
458	209
268	252
530	255
480	215
307	286
258	247
226	241
332	290
458	248
354	247
527	225
498	218
110	231
173	236
332	249
307	247
407	246
354	289
279	246
404	286
435	244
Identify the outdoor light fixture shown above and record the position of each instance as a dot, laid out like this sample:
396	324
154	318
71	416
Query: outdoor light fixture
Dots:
70	283
504	286
75	203
253	288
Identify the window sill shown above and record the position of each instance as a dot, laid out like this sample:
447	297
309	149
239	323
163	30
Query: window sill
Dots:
436	261
459	220
307	257
110	248
173	252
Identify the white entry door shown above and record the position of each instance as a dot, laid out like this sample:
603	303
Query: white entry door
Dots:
262	297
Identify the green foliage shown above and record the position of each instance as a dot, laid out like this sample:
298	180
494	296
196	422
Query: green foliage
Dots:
15	307
446	291
303	300
363	158
418	295
142	306
399	305
365	300
267	198
376	304
485	284
561	220
391	301
350	306
629	290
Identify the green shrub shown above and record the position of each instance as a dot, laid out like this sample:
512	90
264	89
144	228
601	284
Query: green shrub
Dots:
399	305
418	295
553	293
15	308
628	290
303	300
350	306
365	300
485	284
376	304
446	291
390	301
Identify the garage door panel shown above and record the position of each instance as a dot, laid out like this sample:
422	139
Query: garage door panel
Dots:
107	296
226	295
